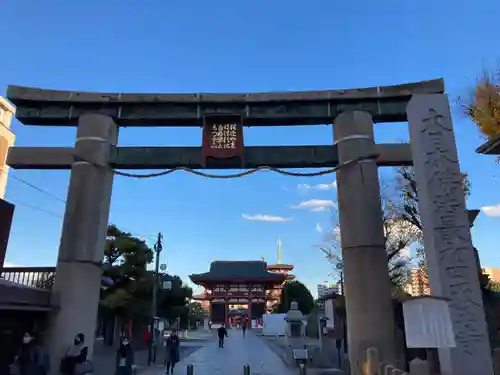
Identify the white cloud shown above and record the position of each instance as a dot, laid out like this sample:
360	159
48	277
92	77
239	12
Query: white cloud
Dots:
266	218
315	205
491	210
329	186
319	229
319	209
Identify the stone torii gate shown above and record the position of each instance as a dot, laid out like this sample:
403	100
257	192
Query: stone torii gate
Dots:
95	157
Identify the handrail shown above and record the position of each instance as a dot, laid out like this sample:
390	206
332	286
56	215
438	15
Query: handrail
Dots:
31	277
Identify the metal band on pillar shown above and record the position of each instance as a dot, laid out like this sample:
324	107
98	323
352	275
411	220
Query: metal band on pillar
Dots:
95	139
356	137
350	137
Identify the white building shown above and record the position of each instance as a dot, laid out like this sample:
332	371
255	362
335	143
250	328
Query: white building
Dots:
325	289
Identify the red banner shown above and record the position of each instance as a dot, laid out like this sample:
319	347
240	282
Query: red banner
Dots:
223	136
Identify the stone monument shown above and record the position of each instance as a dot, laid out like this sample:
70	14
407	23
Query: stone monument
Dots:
448	245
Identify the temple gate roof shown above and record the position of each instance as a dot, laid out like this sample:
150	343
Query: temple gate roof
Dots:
237	270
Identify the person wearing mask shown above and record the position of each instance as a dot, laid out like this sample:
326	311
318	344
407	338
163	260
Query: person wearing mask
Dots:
75	361
32	359
172	349
125	364
222	332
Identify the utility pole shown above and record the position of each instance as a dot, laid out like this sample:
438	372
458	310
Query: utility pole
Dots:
340	268
158	247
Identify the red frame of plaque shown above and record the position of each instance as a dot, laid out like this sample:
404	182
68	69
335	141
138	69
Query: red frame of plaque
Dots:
225	132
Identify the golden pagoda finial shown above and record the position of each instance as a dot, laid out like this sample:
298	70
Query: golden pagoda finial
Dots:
279	250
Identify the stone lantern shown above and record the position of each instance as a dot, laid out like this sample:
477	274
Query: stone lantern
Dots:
295	333
295	327
295	321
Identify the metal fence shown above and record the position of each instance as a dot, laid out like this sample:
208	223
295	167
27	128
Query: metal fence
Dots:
32	277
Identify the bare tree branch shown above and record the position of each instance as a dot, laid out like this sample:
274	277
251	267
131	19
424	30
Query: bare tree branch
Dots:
399	235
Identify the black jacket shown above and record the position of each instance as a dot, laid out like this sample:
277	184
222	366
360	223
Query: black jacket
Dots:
222	331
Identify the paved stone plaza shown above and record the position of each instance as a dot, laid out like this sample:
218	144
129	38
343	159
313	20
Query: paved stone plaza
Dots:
251	350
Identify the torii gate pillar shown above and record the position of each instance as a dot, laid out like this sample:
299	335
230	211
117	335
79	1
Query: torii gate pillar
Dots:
81	250
369	307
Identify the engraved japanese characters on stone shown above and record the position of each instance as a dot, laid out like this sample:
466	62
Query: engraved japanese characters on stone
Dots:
452	237
452	267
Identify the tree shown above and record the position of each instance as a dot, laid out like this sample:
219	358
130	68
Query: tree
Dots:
196	312
295	291
125	263
493	286
483	105
173	302
399	235
196	309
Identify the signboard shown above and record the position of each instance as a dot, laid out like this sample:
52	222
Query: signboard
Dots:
300	354
223	137
330	314
428	323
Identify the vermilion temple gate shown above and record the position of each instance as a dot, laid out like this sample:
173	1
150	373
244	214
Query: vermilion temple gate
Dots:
95	159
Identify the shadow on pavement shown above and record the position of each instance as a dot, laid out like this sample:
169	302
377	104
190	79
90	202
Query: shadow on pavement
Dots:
104	359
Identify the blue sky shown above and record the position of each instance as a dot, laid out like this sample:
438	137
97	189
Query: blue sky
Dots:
236	46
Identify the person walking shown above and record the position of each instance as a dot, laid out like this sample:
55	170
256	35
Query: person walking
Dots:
244	326
222	332
172	349
125	364
75	360
32	358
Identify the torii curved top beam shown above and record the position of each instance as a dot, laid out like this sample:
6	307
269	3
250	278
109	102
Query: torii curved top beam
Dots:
56	107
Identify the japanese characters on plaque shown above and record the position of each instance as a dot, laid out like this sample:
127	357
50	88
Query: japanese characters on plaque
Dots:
450	256
222	136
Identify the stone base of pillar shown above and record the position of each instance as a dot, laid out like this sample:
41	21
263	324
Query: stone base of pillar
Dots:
75	292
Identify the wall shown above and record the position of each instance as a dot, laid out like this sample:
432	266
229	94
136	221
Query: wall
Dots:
7	137
493	273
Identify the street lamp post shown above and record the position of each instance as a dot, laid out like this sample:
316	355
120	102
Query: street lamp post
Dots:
340	268
158	247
